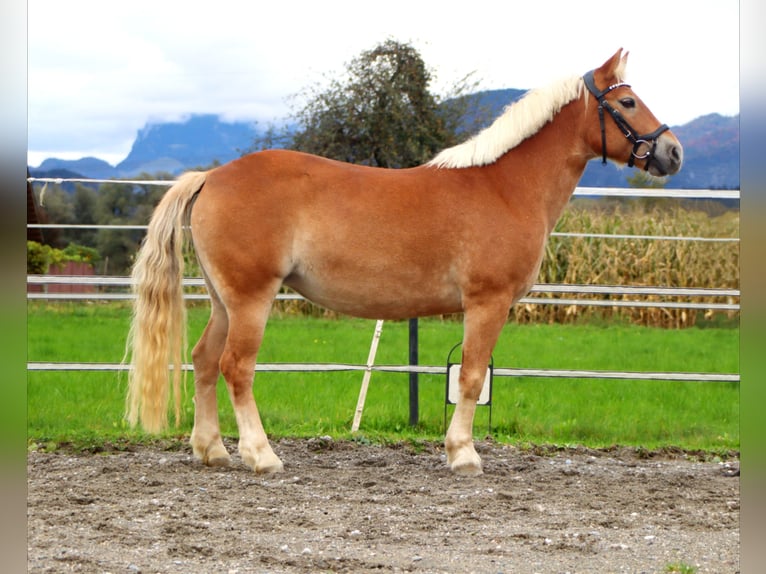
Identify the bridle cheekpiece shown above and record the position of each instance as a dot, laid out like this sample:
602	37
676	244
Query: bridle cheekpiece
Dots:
637	140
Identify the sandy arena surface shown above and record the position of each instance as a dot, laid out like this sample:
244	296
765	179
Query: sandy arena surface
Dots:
349	507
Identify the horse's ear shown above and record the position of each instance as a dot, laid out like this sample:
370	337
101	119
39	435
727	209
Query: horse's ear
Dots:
614	67
621	69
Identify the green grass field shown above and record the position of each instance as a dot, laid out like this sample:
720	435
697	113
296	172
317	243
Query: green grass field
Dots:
87	407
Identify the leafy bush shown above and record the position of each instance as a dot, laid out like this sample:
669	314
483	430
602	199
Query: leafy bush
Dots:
40	257
80	253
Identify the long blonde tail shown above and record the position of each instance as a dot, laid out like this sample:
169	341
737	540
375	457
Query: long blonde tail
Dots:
157	336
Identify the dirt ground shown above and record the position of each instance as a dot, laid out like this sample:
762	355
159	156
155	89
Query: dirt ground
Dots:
349	507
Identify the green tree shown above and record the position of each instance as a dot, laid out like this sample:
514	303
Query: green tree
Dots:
56	207
641	179
109	204
121	204
115	204
382	113
84	201
147	197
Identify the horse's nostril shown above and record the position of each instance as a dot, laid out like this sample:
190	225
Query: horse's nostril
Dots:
675	153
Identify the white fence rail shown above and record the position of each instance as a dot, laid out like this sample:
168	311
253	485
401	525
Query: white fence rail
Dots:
423	369
578	192
125	282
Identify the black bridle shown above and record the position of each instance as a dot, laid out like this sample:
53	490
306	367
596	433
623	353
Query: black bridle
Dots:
650	140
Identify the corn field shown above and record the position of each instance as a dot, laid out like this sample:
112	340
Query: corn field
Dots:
638	262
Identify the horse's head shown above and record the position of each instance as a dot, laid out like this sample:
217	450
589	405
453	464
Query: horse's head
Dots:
622	128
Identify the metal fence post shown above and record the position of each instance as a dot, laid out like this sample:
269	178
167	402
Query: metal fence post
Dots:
413	375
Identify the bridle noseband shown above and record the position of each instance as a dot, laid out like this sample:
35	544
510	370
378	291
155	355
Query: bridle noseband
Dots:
627	130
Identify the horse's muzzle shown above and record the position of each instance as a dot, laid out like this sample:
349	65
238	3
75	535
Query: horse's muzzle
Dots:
667	158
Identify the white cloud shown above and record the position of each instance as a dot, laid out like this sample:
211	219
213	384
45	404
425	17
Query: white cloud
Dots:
99	70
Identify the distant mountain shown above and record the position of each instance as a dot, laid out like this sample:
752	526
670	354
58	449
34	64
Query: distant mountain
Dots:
711	148
486	106
196	142
711	152
92	166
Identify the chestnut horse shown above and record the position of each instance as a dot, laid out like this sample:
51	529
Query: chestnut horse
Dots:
463	233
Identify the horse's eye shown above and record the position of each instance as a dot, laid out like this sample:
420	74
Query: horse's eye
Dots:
628	103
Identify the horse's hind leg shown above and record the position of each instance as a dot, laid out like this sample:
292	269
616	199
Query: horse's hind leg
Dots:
247	323
206	435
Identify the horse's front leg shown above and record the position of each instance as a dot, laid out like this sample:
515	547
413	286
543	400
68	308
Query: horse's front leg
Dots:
481	330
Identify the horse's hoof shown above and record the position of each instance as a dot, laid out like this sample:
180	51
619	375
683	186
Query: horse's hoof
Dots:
264	463
271	468
468	468
214	455
465	461
218	460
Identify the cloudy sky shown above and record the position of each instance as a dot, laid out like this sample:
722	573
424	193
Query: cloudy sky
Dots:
98	71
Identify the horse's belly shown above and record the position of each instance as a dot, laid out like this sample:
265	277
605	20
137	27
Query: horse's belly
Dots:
378	295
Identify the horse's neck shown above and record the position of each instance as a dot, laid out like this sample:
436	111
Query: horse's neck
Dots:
551	162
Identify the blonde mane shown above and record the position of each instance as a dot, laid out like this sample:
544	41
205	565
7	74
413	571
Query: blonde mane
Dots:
518	121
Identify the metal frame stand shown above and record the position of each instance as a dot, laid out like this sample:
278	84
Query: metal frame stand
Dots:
452	390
